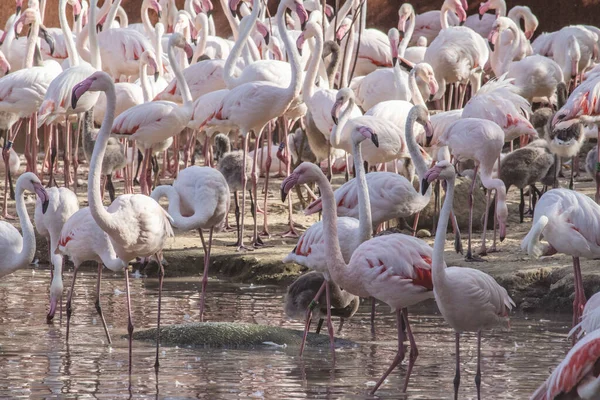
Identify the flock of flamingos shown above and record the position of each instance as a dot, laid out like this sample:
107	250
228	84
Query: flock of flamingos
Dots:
360	97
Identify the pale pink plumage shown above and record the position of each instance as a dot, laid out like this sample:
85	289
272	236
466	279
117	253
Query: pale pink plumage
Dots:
203	77
535	76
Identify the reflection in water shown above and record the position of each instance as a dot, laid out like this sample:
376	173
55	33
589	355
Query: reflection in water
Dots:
36	362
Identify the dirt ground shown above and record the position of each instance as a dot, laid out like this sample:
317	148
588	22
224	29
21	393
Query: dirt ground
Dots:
544	284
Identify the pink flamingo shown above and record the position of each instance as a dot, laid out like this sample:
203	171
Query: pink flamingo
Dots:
198	199
395	269
136	224
157	121
576	375
63	204
590	317
18	251
569	222
479	140
470	300
252	105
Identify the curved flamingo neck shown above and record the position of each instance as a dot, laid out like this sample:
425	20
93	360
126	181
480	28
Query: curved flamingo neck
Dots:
32	41
437	263
159	50
417	97
365	221
179	221
336	132
413	149
407	35
233	22
201	48
501	10
238	47
103	218
27	252
514	48
112	14
347	59
315	60
66	30
93	36
148	28
181	82
144	81
42	11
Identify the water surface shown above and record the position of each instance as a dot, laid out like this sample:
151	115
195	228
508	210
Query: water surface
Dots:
35	361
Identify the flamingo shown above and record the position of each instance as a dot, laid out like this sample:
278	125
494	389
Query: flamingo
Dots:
310	252
576	375
457	54
63	204
18	251
535	76
479	140
136	224
393	268
428	25
469	300
198	199
508	44
252	105
157	121
590	317
568	221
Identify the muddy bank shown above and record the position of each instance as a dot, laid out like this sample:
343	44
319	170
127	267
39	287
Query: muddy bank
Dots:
231	334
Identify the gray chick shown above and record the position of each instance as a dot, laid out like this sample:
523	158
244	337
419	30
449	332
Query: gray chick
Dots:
303	290
114	156
526	166
591	160
230	164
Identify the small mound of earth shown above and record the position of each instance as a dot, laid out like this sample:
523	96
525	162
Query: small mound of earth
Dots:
229	334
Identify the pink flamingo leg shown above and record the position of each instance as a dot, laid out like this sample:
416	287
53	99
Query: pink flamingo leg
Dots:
256	240
287	160
373	304
478	374
98	306
67	156
470	256
206	266
483	249
579	301
457	373
268	162
329	323
311	307
69	300
129	318
161	275
47	145
414	351
399	355
34	143
76	155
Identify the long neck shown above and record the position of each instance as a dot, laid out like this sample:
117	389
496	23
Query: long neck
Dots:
144	82
336	132
42	10
347	60
333	67
179	221
309	79
112	14
444	16
148	28
103	218
211	26
413	148
88	140
123	19
437	263
292	54
365	222
510	54
31	43
28	251
407	35
233	22
501	10
159	52
94	49
239	45
417	97
66	30
333	253
201	48
181	82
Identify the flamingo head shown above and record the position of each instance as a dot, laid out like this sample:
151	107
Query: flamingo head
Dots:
443	170
207	7
425	71
4	64
30	182
178	40
344	27
28	16
459	7
98	81
304	173
264	31
298	6
566	113
149	58
502	214
499	25
394	37
155	5
421	115
363	133
56	289
19	4
234	7
343	95
48	39
329	11
404	13
483	8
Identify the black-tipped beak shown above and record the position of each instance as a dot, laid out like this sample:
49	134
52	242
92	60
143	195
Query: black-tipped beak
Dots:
491	45
335	119
194	41
428	140
156	75
209	13
480	17
424	186
74	100
405	65
75	17
48	39
268	39
159	14
18	10
299	51
375	139
283	195
45	206
190	59
99	28
394	61
461	23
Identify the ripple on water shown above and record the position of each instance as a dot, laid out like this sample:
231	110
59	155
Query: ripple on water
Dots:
35	362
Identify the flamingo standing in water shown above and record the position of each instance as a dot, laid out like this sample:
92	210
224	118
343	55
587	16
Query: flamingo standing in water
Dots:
250	106
470	300
395	269
136	224
569	221
18	251
198	199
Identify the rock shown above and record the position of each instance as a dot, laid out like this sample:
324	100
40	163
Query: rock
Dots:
423	233
230	334
461	206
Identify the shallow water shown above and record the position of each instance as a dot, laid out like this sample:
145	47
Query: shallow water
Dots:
35	361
